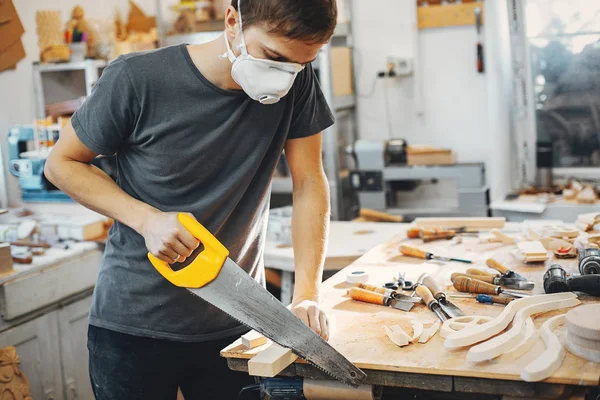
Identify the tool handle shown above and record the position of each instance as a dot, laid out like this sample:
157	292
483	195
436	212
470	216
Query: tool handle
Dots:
493	264
372	288
30	243
482	278
22	260
425	294
480	62
469	285
589	284
485	298
475	271
207	265
413	251
413	233
367	296
429	235
433	286
375	215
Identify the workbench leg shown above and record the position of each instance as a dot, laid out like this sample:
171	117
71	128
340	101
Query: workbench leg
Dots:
287	287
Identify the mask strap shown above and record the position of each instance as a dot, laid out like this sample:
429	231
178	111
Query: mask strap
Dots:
243	41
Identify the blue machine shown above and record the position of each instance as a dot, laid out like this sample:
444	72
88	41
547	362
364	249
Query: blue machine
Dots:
30	171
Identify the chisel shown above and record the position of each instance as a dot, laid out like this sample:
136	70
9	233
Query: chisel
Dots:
510	283
448	307
470	285
388	292
430	301
507	273
412	251
367	296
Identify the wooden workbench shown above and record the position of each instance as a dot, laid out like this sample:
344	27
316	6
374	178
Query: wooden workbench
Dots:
359	333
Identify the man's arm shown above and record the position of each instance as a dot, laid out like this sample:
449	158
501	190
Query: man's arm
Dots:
68	167
310	226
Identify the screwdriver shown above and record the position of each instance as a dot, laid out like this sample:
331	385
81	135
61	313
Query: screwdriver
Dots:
487	299
469	285
412	251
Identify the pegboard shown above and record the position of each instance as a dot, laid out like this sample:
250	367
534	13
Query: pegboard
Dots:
439	16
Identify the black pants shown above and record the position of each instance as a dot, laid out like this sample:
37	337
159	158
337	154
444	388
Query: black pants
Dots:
126	367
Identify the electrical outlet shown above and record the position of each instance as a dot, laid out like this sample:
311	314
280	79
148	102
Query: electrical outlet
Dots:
402	66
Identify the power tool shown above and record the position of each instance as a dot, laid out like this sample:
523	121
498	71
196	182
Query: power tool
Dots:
589	261
557	281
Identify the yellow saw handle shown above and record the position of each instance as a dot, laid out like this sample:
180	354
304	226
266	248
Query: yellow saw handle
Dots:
207	265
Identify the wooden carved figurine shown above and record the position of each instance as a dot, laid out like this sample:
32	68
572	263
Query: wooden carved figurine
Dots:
13	383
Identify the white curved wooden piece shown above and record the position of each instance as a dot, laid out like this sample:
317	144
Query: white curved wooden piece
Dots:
459	323
417	330
397	335
475	334
504	342
551	359
531	336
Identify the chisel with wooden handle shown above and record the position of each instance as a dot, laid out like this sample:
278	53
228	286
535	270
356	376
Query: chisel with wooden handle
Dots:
430	301
510	283
507	273
439	294
388	292
413	251
470	285
367	296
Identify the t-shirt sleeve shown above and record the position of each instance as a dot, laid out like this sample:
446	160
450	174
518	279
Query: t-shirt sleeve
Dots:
311	113
108	116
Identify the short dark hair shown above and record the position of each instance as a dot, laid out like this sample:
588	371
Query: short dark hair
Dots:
307	20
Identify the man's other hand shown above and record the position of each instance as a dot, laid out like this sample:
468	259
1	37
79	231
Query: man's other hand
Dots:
310	313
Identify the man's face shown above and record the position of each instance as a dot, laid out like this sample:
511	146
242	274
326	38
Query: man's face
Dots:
264	45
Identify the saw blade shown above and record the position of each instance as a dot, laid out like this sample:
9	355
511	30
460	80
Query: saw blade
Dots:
237	294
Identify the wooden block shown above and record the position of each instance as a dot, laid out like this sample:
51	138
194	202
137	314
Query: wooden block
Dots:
470	223
6	261
429	156
253	339
341	62
582	321
438	16
587	195
271	361
534	248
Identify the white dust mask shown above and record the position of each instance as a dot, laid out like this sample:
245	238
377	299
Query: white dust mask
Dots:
265	81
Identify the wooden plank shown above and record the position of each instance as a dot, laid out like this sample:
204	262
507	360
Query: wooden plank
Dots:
471	223
439	16
253	339
271	361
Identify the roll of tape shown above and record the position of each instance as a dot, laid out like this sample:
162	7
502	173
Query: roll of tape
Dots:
357	276
333	390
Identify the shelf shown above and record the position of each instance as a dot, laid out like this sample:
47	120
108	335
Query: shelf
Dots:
343	102
70	66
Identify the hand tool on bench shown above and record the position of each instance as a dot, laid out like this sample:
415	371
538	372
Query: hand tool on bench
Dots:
217	279
509	276
400	283
509	283
431	234
470	285
388	292
483	298
449	308
413	251
368	296
430	301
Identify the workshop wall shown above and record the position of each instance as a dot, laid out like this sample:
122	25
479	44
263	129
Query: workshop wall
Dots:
446	102
17	104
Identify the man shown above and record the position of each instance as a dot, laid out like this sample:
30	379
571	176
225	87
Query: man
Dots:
198	129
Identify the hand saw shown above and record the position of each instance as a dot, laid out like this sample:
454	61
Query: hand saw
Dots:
216	278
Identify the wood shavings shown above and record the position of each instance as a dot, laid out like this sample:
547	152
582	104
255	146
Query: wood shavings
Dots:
430	331
417	330
397	335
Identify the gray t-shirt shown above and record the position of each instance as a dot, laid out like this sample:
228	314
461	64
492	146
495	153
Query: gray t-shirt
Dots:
184	144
